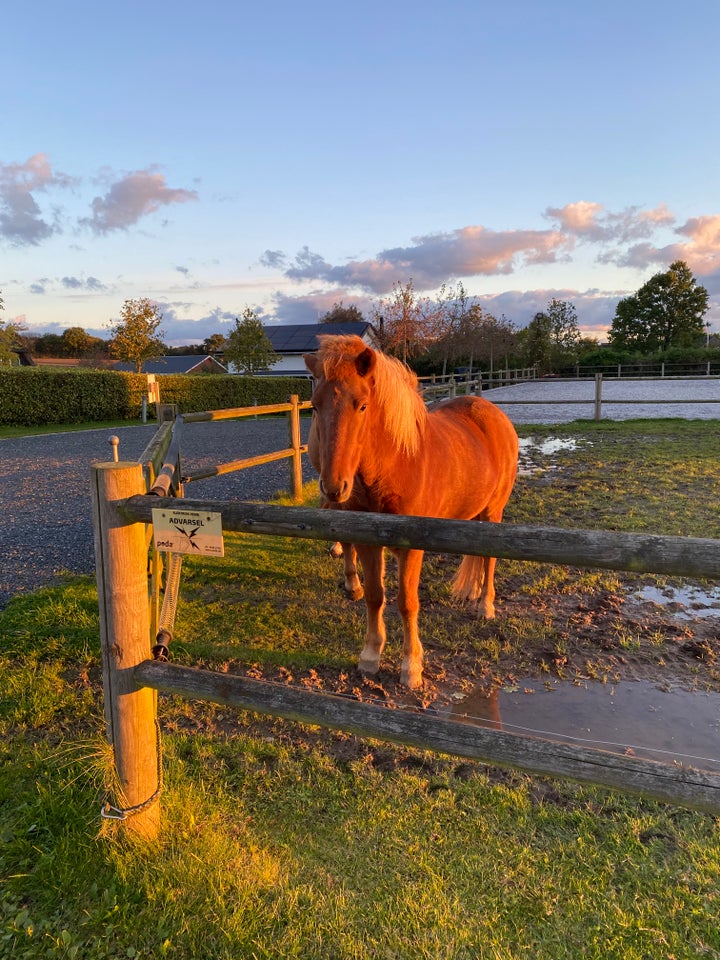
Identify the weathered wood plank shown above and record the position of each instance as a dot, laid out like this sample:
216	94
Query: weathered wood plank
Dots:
605	549
233	413
152	456
683	786
233	465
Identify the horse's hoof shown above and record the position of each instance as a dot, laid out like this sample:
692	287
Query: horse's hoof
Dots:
355	594
369	668
485	610
412	679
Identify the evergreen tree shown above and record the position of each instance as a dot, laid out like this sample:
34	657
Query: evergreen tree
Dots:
667	311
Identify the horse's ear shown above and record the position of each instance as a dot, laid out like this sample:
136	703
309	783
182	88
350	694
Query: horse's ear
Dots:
365	361
313	364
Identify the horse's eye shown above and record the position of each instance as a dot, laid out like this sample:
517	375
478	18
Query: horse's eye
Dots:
363	408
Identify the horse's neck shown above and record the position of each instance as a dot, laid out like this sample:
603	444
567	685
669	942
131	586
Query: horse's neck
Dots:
385	467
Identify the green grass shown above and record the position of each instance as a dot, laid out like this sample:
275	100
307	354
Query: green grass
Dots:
281	841
7	432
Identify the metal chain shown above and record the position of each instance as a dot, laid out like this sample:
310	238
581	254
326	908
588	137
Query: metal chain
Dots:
109	812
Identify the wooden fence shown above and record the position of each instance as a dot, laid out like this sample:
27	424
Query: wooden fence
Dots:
597	400
437	387
122	512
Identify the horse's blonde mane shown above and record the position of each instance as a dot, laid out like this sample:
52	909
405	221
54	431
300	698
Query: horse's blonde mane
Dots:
396	387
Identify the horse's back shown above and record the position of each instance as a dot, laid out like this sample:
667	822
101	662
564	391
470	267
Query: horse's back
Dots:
475	435
484	417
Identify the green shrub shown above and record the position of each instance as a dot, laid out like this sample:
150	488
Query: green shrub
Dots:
32	396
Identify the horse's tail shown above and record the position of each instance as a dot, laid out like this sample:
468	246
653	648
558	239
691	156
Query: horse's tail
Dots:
469	578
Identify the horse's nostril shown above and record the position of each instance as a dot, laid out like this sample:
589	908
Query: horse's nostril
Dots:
336	491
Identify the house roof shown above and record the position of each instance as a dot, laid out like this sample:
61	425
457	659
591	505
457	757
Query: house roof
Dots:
174	364
303	337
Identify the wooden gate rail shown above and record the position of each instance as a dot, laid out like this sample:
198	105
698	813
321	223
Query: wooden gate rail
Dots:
648	778
168	470
604	549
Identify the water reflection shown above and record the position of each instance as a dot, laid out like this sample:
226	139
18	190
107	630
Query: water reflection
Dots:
688	602
547	447
634	717
531	449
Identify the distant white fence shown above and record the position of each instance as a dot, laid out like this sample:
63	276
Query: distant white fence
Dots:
460	384
594	394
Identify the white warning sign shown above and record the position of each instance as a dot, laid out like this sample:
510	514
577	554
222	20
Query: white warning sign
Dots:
188	531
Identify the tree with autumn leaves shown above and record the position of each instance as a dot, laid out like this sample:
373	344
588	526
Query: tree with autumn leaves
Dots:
136	338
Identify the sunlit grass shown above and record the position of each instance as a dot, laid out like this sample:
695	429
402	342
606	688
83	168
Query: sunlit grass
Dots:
281	841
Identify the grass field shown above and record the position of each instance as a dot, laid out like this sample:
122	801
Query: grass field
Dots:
283	841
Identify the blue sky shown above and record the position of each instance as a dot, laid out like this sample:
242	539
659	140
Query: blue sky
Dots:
287	156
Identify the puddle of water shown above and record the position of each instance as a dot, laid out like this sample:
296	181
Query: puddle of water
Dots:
530	449
687	603
634	717
547	447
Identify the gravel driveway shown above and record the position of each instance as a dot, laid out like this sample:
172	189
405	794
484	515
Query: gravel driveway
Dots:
45	489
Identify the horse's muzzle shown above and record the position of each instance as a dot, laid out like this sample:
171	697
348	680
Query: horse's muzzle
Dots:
336	492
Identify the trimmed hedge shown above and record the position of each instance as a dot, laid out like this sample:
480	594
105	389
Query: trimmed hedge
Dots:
31	396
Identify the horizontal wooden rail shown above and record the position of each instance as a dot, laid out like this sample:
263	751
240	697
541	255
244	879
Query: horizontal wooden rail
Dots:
154	453
692	788
233	413
605	549
233	465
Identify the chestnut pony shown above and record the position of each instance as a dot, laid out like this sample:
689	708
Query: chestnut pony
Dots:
378	448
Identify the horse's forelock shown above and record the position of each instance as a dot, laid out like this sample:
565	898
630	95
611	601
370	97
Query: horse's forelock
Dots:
338	352
403	409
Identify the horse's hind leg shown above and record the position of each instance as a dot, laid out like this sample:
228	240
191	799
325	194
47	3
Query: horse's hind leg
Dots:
372	560
475	582
352	585
409	566
485	605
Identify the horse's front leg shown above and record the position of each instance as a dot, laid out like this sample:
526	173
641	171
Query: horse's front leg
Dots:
372	560
409	565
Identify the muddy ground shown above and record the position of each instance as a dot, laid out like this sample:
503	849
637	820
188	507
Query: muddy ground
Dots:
574	633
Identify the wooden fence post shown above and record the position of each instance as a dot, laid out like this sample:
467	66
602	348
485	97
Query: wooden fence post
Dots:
130	712
598	396
294	437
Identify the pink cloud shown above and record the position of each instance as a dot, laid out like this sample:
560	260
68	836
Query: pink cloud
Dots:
21	218
701	251
590	221
131	198
435	258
